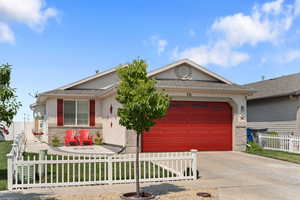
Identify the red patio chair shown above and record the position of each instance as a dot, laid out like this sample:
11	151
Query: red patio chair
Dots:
84	137
70	137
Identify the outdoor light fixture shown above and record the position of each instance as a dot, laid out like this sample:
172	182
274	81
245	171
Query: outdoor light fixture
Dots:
243	110
110	109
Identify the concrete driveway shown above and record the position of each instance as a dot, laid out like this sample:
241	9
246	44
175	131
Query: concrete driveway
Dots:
240	176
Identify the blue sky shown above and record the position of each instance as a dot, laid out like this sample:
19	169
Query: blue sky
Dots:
52	43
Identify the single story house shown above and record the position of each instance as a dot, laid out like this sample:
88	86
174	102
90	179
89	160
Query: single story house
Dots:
207	112
275	104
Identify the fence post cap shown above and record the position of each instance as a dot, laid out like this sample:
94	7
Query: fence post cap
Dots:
9	155
43	151
194	150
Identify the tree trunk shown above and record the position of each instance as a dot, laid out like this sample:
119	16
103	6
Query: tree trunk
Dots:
137	170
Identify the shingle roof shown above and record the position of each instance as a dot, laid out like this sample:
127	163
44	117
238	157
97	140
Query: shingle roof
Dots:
206	85
152	73
281	86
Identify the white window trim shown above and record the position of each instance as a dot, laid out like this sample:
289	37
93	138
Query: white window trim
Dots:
76	125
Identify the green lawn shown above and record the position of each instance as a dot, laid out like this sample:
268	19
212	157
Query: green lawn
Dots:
59	172
280	155
4	149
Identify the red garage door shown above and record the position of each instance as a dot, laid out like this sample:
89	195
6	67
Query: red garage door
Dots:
206	126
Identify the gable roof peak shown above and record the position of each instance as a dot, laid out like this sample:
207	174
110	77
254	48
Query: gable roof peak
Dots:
194	65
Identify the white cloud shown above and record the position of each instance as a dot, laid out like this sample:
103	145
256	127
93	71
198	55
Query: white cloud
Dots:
219	54
32	13
260	26
266	23
240	29
274	7
6	34
291	56
160	44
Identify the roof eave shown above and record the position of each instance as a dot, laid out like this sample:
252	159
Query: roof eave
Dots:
235	91
274	96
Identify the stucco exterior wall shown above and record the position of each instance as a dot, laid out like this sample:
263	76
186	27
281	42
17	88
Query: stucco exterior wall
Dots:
113	132
273	109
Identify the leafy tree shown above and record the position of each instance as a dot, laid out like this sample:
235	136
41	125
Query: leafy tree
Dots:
141	103
8	99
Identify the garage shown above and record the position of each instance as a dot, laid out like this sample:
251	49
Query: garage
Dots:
205	126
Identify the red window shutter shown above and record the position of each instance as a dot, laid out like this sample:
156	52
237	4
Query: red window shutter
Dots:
92	113
60	112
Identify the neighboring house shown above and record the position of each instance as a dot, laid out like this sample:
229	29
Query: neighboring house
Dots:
275	104
18	127
207	111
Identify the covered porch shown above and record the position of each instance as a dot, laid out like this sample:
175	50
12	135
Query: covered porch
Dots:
35	146
76	119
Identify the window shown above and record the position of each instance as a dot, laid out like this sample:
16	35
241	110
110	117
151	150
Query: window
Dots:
82	113
76	112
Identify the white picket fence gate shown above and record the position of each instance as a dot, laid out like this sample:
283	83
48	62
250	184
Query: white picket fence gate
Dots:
42	170
280	142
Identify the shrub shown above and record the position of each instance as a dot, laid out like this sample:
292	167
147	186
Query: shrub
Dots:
98	141
73	143
55	142
272	133
98	134
86	143
253	147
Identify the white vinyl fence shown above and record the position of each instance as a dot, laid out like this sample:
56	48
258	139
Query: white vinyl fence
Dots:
280	142
42	170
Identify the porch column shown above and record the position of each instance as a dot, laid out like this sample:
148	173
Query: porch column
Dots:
239	106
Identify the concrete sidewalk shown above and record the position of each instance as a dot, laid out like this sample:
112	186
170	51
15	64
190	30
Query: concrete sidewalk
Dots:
170	190
226	175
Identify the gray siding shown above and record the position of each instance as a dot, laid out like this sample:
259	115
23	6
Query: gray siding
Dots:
99	83
272	109
282	127
195	74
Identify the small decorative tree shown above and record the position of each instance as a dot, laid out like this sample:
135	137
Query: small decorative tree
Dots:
141	103
8	99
